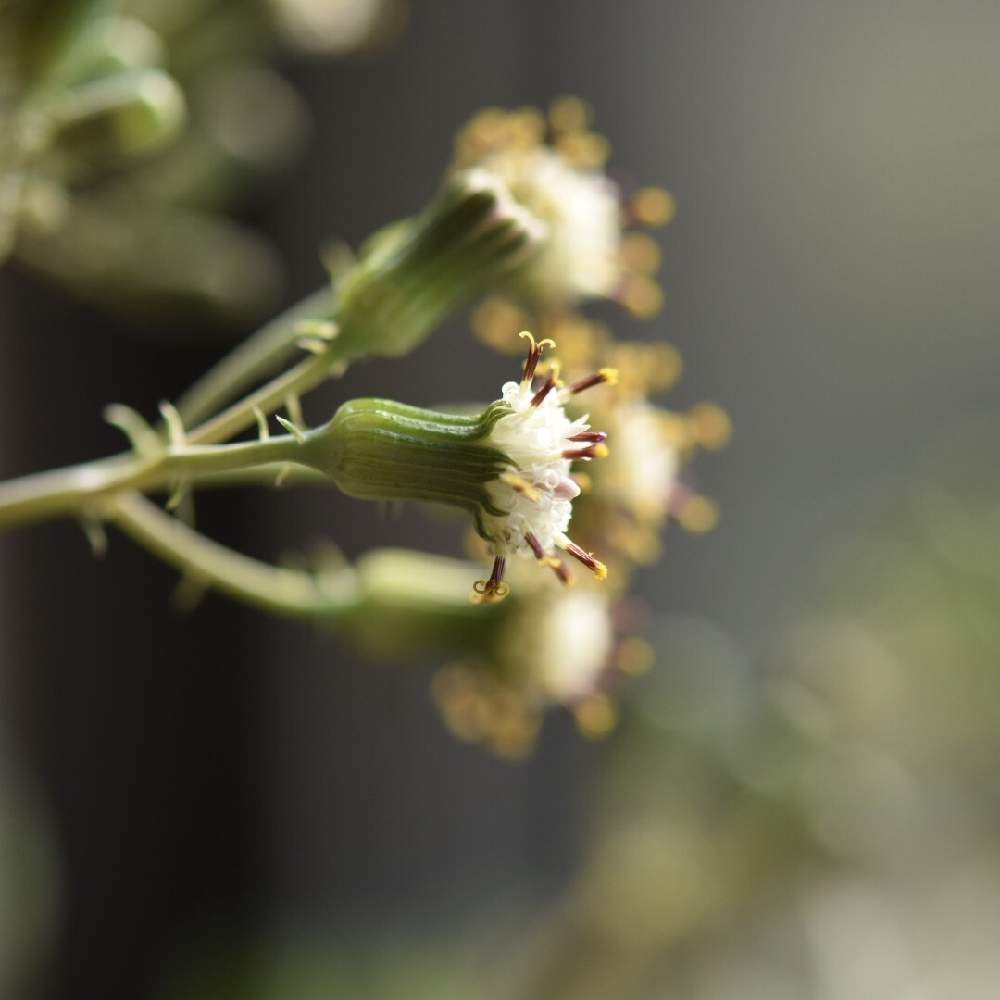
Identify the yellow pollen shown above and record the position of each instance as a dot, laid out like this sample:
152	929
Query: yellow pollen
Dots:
527	127
553	370
569	114
584	150
483	593
635	656
710	425
642	296
674	429
536	345
652	206
496	321
640	252
519	485
600	570
699	514
596	716
610	375
601	451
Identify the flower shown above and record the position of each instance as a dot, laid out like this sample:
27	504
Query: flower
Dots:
336	26
500	700
510	662
533	497
551	647
573	642
556	170
645	468
580	258
630	497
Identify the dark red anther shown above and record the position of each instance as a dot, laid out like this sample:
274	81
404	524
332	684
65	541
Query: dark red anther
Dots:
550	384
604	375
594	565
560	569
594	437
534	354
536	545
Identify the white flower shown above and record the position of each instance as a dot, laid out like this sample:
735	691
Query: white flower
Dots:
536	493
581	207
642	473
572	645
325	26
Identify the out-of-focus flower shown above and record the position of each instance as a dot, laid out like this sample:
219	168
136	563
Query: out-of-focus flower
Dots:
555	647
545	647
556	168
630	497
336	27
167	112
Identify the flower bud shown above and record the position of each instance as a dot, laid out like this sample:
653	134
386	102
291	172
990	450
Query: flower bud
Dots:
413	273
509	466
130	113
376	449
107	46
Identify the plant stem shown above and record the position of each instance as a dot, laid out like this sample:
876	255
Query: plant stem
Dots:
284	591
82	489
296	381
254	359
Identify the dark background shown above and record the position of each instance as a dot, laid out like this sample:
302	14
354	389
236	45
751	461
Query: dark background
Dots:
830	279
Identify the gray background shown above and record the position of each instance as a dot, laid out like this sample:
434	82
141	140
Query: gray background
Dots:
831	280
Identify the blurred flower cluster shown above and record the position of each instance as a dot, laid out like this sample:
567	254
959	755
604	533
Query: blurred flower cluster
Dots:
130	128
572	462
554	165
819	825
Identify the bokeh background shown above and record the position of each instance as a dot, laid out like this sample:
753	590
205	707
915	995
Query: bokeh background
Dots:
800	801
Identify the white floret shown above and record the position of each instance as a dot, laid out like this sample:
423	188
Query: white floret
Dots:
581	207
573	645
534	439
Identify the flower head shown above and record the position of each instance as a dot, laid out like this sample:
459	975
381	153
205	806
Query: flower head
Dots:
631	496
534	495
575	659
555	168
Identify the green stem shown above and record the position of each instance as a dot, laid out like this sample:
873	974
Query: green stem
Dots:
82	489
254	359
282	591
296	381
409	277
274	474
394	604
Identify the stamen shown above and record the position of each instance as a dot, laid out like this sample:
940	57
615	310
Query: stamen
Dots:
493	589
599	450
559	568
594	565
536	546
595	437
535	350
550	384
609	375
519	485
